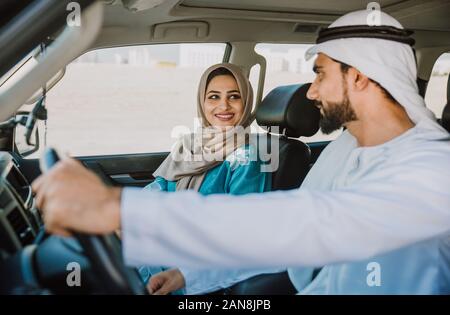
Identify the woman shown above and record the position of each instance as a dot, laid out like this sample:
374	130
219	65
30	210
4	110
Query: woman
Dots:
218	159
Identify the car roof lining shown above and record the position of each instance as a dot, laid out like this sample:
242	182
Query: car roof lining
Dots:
263	21
415	14
283	21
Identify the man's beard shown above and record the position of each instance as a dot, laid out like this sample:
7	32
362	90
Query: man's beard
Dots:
336	114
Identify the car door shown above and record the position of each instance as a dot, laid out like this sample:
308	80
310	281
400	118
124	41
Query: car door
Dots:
118	170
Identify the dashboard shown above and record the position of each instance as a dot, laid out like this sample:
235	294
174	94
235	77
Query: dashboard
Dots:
20	220
31	262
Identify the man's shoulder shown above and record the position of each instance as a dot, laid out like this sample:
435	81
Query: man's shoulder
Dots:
426	146
426	138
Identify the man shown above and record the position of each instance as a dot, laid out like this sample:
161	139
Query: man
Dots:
381	186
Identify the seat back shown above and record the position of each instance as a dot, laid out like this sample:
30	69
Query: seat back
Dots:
287	114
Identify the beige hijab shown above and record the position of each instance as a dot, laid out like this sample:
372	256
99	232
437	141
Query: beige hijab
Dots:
194	154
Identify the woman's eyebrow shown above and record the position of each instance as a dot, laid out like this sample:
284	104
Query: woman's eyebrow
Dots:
218	92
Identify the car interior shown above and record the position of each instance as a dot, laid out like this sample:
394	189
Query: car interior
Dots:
33	262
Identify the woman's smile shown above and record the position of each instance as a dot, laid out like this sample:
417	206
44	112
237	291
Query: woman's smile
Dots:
225	116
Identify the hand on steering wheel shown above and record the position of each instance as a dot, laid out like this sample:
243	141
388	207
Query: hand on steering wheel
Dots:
104	252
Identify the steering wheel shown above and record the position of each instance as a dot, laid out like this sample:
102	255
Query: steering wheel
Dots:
105	253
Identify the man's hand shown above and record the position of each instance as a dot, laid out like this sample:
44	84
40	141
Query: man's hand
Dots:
75	199
166	282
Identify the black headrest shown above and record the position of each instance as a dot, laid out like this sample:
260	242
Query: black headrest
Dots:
288	108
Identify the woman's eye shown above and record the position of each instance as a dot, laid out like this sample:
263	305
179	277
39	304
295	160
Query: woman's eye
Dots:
235	96
213	97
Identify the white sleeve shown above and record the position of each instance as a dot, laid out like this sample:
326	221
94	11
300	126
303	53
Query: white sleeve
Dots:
302	227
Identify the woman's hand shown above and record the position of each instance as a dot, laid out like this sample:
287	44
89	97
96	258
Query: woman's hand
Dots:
166	282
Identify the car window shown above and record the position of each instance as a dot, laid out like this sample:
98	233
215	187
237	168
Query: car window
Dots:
286	64
436	95
128	99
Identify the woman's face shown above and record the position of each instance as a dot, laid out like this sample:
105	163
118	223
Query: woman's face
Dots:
223	103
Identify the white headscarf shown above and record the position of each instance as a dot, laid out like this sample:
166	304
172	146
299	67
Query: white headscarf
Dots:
391	64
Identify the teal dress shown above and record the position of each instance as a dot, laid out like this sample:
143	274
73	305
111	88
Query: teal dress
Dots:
241	173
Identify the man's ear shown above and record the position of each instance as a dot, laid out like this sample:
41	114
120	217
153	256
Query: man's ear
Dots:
358	80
